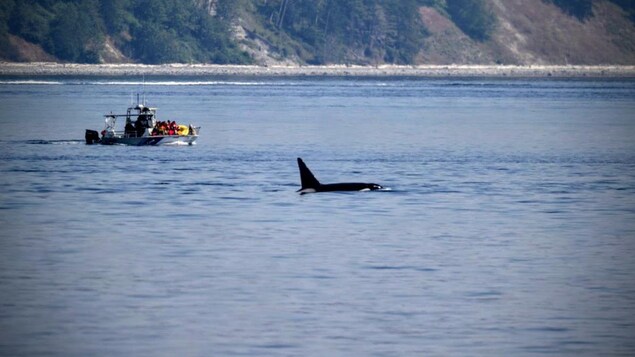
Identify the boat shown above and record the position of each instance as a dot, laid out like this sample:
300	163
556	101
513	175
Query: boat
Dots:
142	128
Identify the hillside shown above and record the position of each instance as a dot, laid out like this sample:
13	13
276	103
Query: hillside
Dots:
364	32
534	32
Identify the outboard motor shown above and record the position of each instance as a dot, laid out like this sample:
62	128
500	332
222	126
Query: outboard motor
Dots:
92	137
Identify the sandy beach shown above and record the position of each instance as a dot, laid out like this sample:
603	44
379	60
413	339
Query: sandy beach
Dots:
432	71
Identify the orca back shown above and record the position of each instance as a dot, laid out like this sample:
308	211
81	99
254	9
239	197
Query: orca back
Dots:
306	176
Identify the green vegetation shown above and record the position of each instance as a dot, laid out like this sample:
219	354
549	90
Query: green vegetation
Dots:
148	31
6	7
76	36
174	31
473	17
162	31
335	31
367	32
628	6
582	9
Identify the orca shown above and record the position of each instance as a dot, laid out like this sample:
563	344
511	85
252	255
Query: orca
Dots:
310	184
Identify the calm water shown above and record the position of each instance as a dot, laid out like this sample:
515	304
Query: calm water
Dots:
509	228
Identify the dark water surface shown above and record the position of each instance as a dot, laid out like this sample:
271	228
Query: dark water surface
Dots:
509	228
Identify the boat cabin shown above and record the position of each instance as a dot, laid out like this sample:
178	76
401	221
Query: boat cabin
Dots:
140	120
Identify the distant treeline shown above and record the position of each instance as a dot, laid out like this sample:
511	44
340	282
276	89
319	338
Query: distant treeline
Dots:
200	31
335	31
362	31
583	9
147	31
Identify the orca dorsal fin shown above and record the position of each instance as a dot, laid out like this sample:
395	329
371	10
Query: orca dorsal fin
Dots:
306	176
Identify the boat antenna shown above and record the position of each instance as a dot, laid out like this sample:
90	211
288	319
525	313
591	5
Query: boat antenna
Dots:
144	89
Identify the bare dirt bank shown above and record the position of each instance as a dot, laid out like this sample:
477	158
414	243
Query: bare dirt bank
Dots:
57	69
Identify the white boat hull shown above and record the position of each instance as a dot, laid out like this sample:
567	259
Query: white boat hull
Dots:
150	140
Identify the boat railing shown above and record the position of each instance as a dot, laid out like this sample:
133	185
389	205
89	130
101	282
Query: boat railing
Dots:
125	134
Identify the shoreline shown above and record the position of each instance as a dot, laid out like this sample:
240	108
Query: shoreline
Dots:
424	71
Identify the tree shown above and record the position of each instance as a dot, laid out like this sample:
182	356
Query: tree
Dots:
628	6
76	33
115	14
474	17
581	9
30	21
153	45
408	31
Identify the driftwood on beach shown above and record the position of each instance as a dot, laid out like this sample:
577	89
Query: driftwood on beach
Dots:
60	69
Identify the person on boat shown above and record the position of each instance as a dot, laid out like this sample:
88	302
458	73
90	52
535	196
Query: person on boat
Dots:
144	122
129	129
157	129
140	126
171	128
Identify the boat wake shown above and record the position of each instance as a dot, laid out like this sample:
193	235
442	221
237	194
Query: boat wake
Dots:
179	143
180	83
54	142
30	82
136	83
